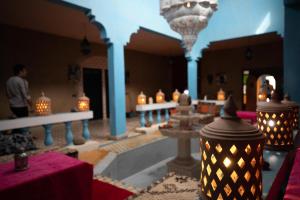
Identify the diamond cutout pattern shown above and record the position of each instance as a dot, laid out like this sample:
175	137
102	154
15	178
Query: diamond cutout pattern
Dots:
257	174
219	148
253	189
247	176
241	190
241	163
233	150
226	162
227	190
213	159
253	162
208	169
204	180
258	148
248	149
214	184
220	197
204	155
220	174
234	176
207	145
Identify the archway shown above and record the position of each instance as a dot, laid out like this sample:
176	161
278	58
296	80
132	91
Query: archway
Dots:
265	85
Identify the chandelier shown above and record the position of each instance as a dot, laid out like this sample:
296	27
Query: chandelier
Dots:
188	17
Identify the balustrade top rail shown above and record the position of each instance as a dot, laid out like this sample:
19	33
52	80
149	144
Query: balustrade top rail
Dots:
42	120
217	102
156	106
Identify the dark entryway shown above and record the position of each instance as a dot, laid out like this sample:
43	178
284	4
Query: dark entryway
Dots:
92	80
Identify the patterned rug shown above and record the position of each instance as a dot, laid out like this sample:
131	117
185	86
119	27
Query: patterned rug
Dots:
173	187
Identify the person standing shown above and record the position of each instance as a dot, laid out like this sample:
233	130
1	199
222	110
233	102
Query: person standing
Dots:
17	92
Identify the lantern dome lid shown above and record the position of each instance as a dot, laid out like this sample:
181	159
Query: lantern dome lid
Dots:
230	126
43	97
287	101
273	106
83	97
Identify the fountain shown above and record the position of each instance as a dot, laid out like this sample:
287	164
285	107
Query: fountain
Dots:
187	125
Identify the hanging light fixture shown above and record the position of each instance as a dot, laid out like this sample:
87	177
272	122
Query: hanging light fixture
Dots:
85	46
273	120
188	17
232	158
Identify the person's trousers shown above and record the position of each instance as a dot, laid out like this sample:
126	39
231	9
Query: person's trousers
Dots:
20	112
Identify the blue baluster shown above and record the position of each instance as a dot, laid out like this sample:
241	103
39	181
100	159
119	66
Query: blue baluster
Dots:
222	111
142	119
69	134
85	129
167	116
150	117
48	134
158	116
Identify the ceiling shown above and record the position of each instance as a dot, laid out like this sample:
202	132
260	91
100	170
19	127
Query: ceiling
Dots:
51	18
244	41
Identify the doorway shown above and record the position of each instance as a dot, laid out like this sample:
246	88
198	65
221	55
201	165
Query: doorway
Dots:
92	80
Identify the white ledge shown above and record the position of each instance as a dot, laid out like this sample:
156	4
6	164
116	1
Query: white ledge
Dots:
155	106
42	120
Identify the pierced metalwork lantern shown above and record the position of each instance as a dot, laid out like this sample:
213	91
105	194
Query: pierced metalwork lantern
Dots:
43	105
83	103
175	95
295	107
160	97
232	158
141	99
273	120
221	95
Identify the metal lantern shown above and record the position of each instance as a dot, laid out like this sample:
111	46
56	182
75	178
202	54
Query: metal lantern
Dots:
221	95
232	158
160	97
295	107
83	103
141	99
273	120
175	95
43	105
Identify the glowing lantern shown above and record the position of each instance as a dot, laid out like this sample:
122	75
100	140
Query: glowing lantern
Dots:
83	103
262	96
141	99
160	97
175	95
273	120
294	106
221	95
43	105
232	158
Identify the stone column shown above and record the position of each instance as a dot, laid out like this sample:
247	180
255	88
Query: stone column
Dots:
192	77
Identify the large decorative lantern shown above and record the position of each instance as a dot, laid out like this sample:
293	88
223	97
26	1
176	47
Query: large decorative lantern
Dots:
175	95
232	158
221	95
294	106
188	17
273	120
83	103
141	99
160	97
43	105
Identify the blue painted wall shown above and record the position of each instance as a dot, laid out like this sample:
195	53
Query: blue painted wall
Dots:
292	52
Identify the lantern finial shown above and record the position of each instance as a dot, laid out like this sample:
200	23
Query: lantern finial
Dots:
275	97
287	97
230	108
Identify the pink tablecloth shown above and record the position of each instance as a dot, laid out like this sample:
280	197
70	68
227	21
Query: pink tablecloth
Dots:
50	176
292	191
247	115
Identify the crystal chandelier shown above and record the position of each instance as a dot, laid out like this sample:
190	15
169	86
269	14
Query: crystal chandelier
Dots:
188	17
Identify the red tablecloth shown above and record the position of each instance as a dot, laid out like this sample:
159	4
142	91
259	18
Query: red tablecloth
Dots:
292	191
247	115
50	176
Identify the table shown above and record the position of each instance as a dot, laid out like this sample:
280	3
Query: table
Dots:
50	176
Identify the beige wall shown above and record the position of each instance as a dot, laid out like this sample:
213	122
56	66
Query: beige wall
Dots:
48	56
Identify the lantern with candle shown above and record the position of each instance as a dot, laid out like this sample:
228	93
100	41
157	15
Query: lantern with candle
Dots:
83	103
295	107
232	158
141	99
273	120
43	105
160	97
221	95
175	95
